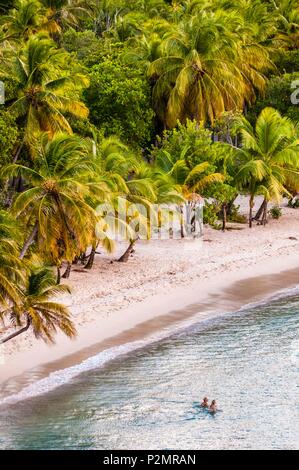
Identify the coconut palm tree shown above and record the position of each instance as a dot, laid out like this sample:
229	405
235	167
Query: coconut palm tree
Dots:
288	23
45	89
53	207
188	178
191	179
268	161
23	20
207	68
12	272
37	311
63	14
105	15
136	188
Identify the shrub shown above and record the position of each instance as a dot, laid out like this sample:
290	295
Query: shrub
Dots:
293	203
210	215
275	212
235	216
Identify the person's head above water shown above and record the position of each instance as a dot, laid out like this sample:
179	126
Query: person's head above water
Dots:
213	402
205	399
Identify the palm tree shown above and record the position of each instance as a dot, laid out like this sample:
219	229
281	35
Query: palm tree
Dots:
207	68
105	15
12	272
53	207
135	187
188	178
268	160
37	311
63	14
191	179
130	186
146	49
23	20
288	23
46	90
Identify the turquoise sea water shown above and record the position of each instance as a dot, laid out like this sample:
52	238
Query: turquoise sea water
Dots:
147	399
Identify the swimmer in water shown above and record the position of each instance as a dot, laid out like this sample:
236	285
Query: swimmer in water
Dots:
213	406
205	403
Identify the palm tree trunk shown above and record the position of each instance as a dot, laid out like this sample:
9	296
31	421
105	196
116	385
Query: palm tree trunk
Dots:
251	204
82	258
230	205
224	208
17	333
58	281
260	211
18	151
182	222
29	241
124	258
67	272
91	257
264	219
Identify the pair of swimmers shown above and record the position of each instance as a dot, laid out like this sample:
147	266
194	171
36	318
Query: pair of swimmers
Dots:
212	407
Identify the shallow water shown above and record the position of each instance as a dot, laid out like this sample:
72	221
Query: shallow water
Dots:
148	399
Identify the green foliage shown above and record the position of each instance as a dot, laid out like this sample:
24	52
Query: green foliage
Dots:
119	102
9	133
87	47
294	204
222	193
267	162
5	5
210	215
235	216
196	63
46	89
275	212
211	63
288	61
278	96
191	136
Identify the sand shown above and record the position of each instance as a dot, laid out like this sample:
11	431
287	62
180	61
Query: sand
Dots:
117	302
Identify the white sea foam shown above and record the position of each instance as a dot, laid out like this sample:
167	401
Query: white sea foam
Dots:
62	377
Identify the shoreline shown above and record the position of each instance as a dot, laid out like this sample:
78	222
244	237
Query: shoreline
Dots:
165	283
238	295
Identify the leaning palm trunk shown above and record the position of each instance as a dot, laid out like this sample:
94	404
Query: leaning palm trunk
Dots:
260	212
124	258
29	241
251	204
264	218
17	333
67	272
91	257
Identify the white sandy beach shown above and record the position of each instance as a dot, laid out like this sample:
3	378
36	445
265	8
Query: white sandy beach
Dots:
161	278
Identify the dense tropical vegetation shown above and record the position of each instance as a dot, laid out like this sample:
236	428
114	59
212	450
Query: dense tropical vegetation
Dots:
115	104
